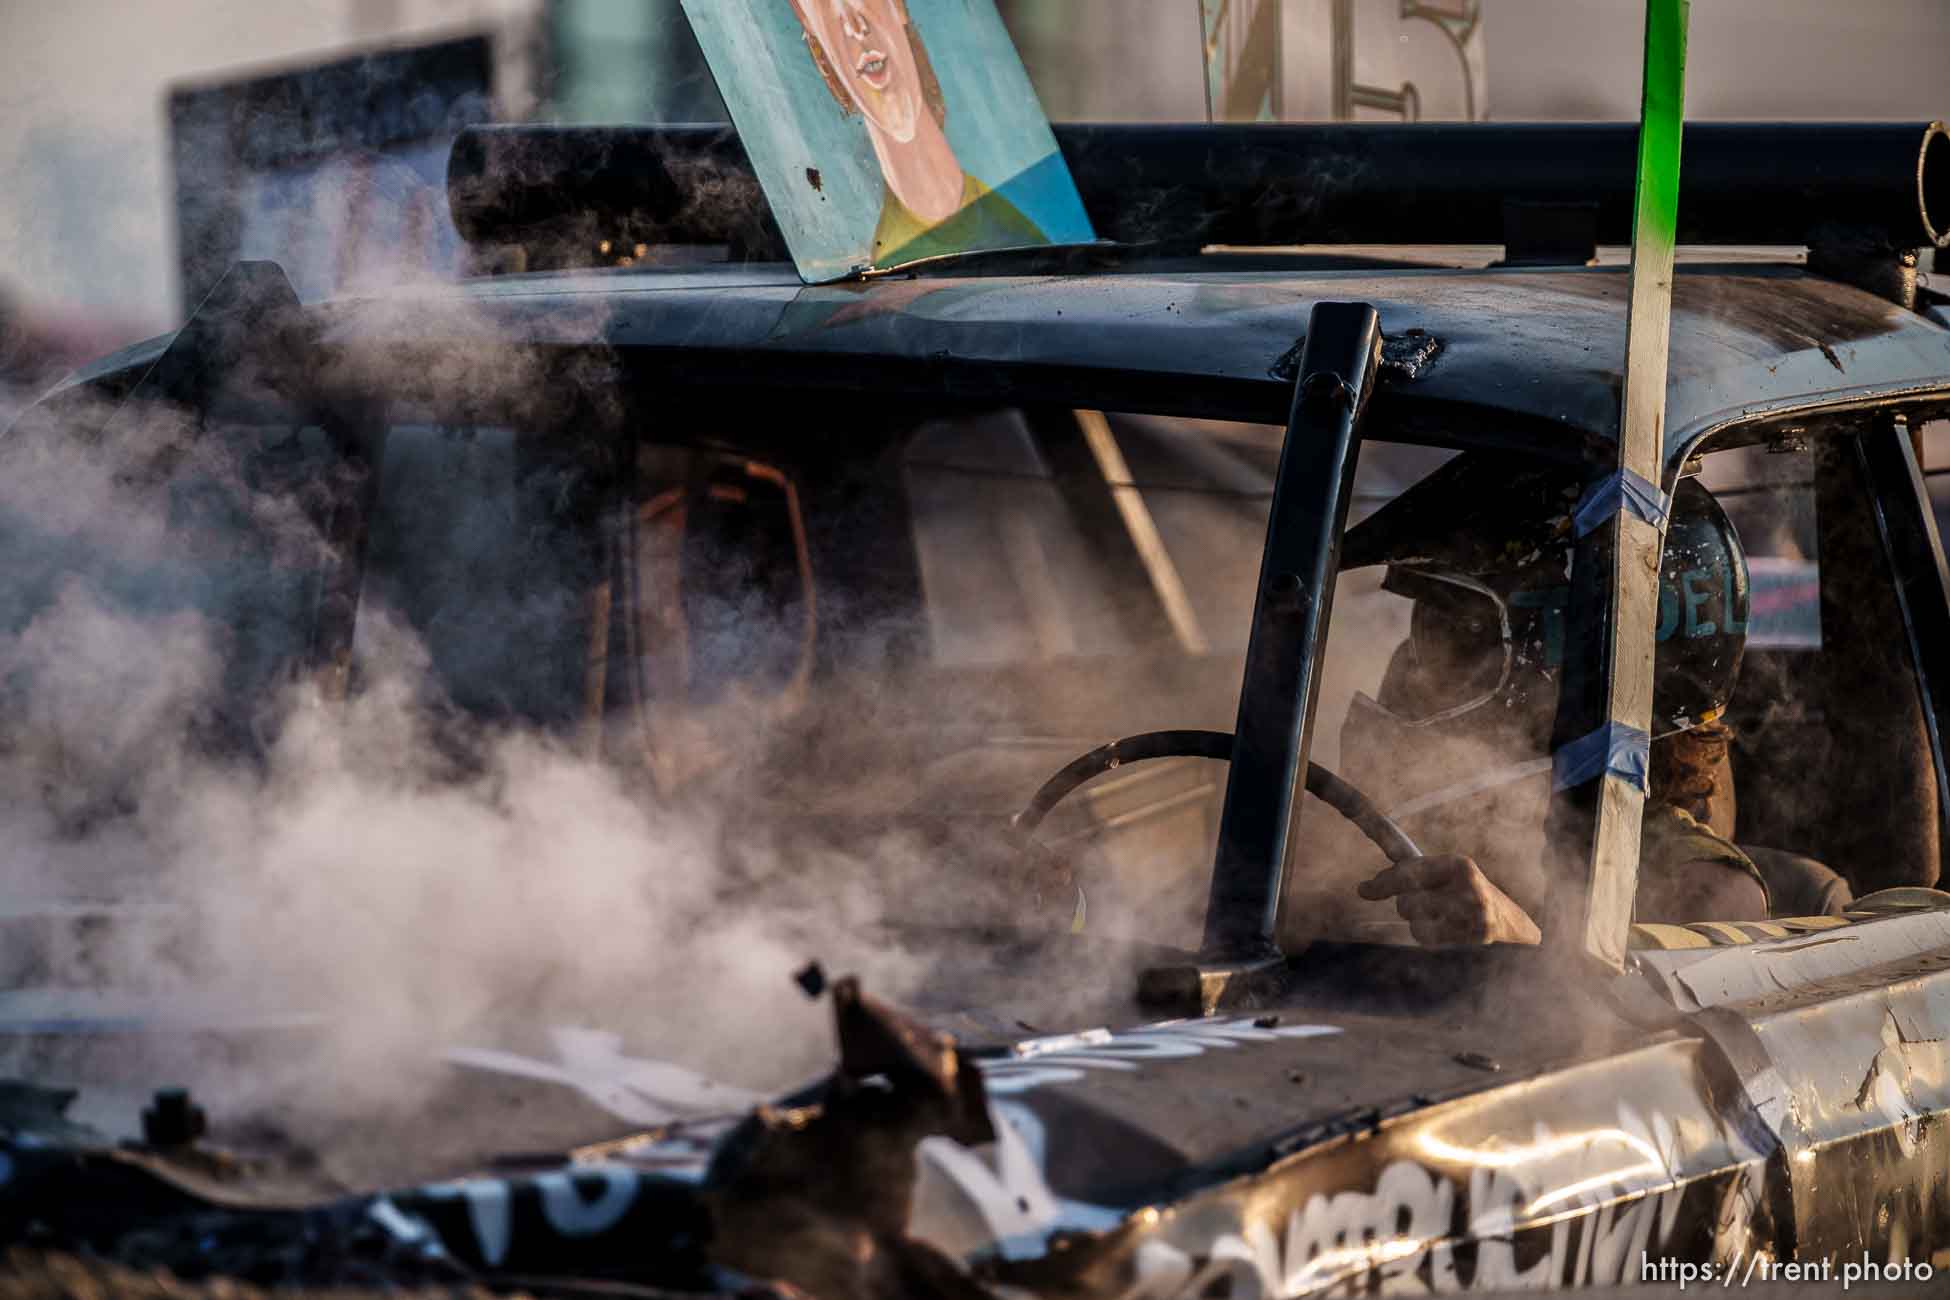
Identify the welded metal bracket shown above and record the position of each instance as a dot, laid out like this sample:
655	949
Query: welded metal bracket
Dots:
1866	259
1203	987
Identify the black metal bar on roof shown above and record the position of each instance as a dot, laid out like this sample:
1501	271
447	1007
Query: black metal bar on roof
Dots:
1285	652
1267	183
1447	183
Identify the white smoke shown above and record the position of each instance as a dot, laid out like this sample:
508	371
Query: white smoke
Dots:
414	884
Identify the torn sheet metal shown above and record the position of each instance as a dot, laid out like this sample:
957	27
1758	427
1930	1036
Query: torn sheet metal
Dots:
1696	978
1850	1073
1904	1078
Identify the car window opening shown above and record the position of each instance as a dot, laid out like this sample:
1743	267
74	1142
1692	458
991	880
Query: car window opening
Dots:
1055	553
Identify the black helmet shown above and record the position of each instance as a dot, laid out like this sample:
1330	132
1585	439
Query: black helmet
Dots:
1483	547
1703	606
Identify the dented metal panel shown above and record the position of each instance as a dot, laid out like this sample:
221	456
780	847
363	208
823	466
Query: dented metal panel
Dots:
1851	1077
1551	1182
1698	978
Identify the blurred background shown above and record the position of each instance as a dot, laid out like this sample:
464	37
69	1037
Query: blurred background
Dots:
126	182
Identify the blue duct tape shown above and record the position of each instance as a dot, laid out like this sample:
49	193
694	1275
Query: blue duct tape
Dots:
1612	750
1621	491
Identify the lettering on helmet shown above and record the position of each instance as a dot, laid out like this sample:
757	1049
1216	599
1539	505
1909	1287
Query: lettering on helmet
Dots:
1735	626
1681	601
1688	582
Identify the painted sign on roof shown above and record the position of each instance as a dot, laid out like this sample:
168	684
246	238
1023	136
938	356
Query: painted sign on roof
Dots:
886	131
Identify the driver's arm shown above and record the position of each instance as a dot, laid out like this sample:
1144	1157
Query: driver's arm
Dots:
1448	900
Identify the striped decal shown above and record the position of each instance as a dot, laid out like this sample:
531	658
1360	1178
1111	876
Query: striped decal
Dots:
1723	932
1653	935
1803	924
1662	937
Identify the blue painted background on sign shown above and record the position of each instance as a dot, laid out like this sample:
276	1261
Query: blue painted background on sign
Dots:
790	121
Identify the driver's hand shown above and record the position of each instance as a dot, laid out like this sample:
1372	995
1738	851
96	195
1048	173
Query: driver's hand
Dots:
1448	901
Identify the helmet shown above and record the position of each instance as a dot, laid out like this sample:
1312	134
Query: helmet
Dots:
1483	547
1703	606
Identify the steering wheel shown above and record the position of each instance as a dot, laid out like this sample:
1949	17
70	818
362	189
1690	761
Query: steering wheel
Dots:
1337	794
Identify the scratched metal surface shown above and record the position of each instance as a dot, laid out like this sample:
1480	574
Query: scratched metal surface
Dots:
1851	1077
1151	1113
1541	347
1561	1180
1185	1159
1524	356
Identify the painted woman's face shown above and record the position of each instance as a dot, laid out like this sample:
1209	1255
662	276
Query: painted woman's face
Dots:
866	42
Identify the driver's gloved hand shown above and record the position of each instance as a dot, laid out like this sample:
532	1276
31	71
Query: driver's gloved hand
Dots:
1447	900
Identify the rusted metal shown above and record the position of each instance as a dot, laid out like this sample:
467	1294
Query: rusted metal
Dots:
1204	987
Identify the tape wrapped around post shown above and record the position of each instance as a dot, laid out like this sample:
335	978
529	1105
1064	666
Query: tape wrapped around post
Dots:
1626	491
1613	749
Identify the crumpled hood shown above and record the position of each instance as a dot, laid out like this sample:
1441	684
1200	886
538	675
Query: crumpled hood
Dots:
916	1160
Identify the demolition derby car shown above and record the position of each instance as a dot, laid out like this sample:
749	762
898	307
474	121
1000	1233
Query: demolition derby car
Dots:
1157	594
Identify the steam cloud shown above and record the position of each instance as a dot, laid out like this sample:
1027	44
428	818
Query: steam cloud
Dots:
402	873
415	885
418	879
412	878
399	875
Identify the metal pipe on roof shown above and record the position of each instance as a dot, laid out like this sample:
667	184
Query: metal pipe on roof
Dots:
1447	183
1270	183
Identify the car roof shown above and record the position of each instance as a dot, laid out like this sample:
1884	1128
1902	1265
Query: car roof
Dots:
1513	356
